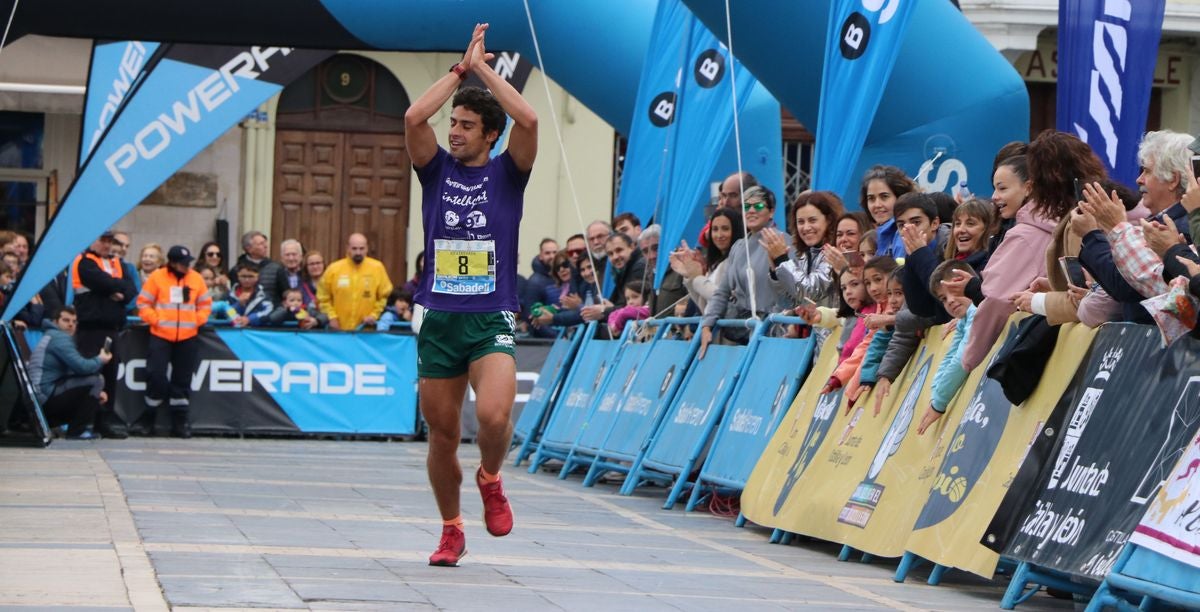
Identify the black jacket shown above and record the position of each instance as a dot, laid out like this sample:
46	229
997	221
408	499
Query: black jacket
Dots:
95	307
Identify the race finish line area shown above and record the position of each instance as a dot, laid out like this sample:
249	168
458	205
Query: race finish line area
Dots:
293	524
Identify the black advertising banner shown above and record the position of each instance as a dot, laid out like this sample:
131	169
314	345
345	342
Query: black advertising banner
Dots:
212	410
1133	412
287	381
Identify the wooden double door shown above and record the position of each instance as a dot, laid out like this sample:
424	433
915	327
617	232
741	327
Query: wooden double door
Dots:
329	185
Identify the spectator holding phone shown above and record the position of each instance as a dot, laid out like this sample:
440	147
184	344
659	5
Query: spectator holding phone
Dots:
68	385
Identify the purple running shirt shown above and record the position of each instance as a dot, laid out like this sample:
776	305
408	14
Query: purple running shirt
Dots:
471	216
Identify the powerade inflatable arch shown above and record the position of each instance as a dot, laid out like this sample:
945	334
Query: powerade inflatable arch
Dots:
949	91
596	50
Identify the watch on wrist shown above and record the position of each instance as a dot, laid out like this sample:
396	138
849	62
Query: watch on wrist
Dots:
460	71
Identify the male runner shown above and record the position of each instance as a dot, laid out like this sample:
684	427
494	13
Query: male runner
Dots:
471	209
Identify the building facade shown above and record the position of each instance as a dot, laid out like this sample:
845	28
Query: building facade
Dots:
323	159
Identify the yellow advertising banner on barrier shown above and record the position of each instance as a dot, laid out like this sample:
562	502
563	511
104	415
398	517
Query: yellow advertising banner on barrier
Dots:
819	498
795	441
985	451
885	504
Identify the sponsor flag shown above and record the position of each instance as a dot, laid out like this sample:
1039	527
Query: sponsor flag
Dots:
190	97
1106	56
114	71
860	51
682	118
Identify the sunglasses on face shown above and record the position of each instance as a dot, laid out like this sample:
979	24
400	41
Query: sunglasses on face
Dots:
213	254
749	206
575	251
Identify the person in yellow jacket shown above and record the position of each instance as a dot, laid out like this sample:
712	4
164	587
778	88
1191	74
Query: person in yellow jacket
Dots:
174	302
353	290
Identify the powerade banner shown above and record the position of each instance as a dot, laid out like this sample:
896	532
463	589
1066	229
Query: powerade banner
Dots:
1106	55
683	121
114	71
860	50
190	97
1135	411
278	382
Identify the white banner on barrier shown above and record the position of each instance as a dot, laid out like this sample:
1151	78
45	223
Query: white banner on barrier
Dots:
1171	526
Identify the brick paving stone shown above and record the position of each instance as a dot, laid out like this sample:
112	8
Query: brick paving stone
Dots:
302	524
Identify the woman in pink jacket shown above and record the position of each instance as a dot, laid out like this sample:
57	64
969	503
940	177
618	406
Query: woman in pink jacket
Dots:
1054	160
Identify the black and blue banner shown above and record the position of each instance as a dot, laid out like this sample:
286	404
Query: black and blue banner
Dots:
191	96
1106	57
115	70
279	382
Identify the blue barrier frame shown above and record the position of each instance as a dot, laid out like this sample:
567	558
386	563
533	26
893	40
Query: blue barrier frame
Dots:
552	449
1028	573
1118	585
794	387
528	428
646	468
604	459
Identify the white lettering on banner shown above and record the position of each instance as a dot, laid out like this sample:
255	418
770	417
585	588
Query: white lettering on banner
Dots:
745	421
664	109
949	173
889	11
210	93
1107	69
506	64
1083	414
1049	526
131	64
637	404
233	376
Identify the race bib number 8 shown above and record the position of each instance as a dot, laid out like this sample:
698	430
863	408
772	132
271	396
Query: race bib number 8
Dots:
464	267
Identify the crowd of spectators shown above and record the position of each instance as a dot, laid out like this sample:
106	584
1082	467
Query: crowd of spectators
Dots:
1056	238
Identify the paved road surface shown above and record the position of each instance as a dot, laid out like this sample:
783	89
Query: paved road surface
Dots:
222	523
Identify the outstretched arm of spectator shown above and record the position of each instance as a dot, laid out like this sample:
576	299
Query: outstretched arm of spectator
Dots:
1097	258
418	134
951	374
1138	265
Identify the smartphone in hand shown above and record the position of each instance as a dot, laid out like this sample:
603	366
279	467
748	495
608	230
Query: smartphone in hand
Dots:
1073	270
1078	191
854	259
108	344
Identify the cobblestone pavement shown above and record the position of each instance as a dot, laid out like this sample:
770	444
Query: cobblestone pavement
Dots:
153	524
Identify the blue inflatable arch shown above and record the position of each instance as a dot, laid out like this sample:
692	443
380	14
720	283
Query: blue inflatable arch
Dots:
950	90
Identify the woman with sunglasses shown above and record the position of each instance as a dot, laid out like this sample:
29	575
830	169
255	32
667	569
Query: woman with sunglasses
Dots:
747	256
212	257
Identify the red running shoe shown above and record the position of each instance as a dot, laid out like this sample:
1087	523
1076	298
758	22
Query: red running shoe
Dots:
451	549
497	514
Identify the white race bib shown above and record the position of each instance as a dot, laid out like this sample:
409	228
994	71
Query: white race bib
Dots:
464	267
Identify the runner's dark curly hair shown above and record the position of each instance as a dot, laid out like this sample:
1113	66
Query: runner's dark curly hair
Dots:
483	102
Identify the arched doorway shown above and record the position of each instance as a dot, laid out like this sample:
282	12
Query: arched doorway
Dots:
340	162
